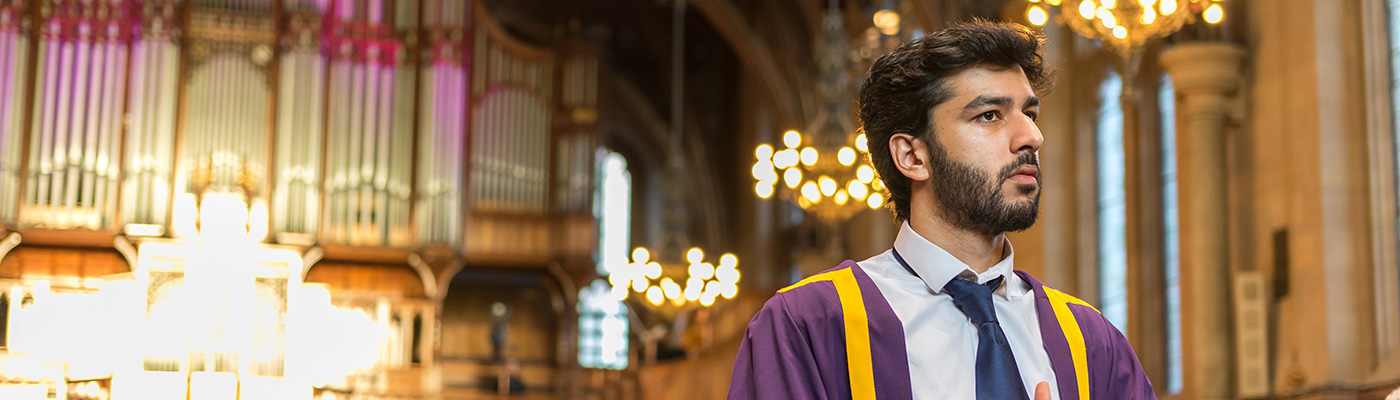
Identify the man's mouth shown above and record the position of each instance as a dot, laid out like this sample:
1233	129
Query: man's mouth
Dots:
1026	174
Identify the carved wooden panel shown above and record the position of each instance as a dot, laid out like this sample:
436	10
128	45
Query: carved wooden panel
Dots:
509	239
382	279
66	263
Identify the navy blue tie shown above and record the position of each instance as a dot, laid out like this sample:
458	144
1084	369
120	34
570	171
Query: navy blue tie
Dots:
997	376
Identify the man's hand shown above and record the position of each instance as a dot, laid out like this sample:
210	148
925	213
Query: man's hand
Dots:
1042	391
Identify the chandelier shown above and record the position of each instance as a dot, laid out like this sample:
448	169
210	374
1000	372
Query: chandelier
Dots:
822	171
652	278
1125	25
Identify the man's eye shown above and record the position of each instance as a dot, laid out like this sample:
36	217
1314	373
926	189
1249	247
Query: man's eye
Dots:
989	116
1034	116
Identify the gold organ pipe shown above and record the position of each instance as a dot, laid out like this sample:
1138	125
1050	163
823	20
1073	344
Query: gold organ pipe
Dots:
52	50
403	153
145	105
205	134
433	152
95	98
382	149
244	127
228	128
332	173
288	116
72	153
454	218
135	106
374	118
112	136
335	174
101	56
195	129
314	75
452	122
63	115
434	159
339	72
16	46
114	53
492	154
98	98
355	168
520	142
168	55
36	141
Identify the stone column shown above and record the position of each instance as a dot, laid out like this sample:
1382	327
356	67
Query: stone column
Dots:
1206	76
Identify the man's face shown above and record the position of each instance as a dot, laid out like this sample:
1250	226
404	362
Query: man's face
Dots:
983	156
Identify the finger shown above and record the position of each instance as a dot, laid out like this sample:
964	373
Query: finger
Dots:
1042	391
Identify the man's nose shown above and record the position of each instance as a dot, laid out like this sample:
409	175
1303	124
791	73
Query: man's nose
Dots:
1026	135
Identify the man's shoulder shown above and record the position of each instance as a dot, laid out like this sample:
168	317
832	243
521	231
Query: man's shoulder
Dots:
818	296
1054	296
847	270
1092	324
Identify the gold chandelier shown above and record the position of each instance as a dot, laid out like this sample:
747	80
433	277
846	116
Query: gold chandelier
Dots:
704	282
1125	25
657	278
832	188
823	171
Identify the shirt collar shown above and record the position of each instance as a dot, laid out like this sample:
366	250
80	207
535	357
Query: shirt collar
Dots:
936	267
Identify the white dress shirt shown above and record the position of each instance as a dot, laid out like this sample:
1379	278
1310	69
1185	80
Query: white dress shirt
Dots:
941	342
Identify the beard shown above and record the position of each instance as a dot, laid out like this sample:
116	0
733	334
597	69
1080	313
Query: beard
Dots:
973	201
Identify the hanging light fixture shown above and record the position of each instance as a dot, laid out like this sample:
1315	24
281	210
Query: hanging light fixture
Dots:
825	171
670	283
703	283
1124	25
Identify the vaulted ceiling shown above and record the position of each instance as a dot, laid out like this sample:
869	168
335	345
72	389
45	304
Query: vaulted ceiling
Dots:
768	45
770	39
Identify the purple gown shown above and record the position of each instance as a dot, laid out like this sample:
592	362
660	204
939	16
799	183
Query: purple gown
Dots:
833	336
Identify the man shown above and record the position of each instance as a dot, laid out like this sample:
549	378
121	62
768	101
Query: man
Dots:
950	119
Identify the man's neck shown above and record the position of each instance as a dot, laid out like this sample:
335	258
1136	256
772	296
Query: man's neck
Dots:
978	251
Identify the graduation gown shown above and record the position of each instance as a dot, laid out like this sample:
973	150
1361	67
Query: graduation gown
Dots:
834	336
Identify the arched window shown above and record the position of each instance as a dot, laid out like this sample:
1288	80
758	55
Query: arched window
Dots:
1113	254
614	212
1171	232
602	330
602	333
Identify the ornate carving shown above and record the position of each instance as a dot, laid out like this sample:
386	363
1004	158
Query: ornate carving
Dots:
251	35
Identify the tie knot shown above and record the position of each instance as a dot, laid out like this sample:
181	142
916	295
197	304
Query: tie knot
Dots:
973	299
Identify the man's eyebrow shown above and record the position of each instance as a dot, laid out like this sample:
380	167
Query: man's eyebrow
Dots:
1032	102
986	100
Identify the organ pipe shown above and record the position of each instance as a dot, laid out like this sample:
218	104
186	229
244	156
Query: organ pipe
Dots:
73	118
14	46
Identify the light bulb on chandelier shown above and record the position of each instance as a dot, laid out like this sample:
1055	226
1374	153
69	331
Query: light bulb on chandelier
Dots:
1125	25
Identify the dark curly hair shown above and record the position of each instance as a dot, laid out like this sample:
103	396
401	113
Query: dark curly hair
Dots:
904	85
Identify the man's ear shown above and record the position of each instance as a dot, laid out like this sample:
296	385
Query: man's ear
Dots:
910	156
